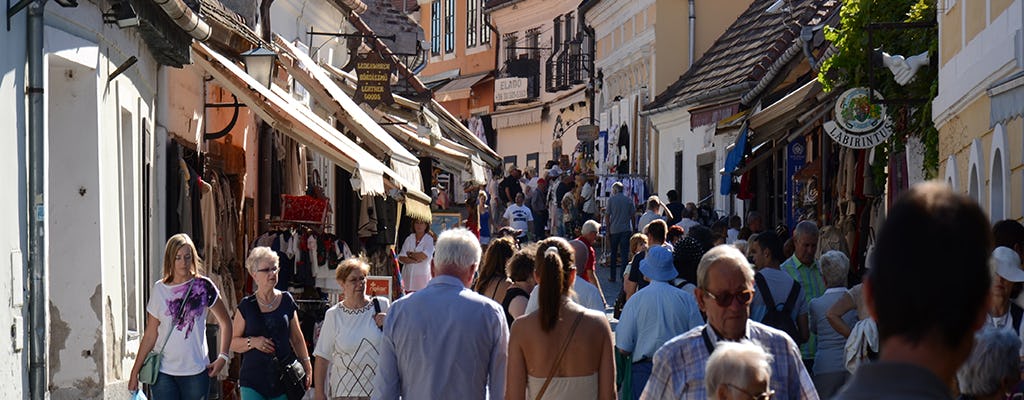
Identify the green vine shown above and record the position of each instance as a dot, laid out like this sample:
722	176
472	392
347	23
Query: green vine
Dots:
849	67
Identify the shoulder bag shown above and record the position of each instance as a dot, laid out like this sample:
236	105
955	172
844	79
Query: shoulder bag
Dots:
151	365
558	360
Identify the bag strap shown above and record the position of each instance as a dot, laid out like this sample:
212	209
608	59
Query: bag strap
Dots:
791	300
376	305
766	294
558	360
181	312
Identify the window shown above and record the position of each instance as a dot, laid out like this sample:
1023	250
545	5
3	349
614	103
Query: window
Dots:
510	161
485	29
435	27
472	22
510	46
533	162
449	26
679	172
533	42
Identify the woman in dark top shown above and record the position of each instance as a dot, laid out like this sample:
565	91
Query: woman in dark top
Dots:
520	270
267	326
491	281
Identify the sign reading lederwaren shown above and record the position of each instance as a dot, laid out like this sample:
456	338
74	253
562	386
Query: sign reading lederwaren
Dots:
374	86
509	89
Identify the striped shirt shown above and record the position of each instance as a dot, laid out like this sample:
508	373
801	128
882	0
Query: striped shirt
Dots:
813	284
678	371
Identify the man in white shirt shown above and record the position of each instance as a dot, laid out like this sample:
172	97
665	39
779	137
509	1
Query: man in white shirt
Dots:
518	216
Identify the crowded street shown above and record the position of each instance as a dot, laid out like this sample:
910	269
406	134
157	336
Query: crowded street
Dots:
521	199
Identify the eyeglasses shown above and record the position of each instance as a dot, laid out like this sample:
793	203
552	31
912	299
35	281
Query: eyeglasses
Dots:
725	300
273	270
762	396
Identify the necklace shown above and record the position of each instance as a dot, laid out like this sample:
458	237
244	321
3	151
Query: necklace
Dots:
272	302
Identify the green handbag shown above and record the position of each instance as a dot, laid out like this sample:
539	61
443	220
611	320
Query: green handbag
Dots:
151	365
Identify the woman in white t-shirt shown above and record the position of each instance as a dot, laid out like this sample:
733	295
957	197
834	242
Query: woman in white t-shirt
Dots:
349	338
415	255
176	326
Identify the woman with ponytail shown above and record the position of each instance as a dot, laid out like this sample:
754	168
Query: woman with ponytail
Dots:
563	350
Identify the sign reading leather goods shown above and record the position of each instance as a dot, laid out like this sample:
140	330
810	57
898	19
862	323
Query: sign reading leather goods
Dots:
374	86
858	123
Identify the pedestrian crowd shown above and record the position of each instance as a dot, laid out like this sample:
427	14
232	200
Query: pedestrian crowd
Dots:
722	311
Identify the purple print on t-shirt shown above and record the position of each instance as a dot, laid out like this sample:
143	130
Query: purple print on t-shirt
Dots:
199	298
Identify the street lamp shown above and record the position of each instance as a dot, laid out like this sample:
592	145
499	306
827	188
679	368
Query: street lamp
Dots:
259	64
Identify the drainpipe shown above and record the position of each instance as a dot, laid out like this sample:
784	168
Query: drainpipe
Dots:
693	20
496	40
37	290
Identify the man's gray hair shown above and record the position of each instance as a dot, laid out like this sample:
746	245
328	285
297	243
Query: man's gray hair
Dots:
718	253
805	228
456	251
834	267
994	359
617	187
736	363
259	254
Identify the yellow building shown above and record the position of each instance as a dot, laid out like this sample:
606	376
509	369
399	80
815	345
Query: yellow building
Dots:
979	105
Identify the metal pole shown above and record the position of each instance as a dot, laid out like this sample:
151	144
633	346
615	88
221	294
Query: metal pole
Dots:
37	293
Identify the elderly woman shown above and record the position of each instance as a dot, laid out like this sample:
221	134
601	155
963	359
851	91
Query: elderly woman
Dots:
563	350
176	320
520	270
829	361
991	371
415	256
349	338
266	330
492	281
738	371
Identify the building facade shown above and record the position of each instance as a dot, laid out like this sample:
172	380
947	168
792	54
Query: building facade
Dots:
461	58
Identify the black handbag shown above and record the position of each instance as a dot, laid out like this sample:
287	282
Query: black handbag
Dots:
290	375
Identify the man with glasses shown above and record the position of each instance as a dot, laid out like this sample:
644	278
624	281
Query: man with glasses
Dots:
725	289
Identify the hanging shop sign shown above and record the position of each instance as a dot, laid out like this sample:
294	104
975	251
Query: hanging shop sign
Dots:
509	89
374	86
859	123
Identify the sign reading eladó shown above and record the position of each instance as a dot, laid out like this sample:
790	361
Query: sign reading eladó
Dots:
859	124
509	89
374	85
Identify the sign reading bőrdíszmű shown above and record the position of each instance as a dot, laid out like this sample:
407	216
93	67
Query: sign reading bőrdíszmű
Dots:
859	123
509	89
374	86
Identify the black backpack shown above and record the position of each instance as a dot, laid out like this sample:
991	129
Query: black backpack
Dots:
773	317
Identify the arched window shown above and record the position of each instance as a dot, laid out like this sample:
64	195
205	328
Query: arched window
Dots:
998	195
974	179
951	173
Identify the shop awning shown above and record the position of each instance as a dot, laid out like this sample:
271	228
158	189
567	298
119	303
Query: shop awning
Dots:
456	157
459	88
298	122
771	122
1007	99
512	119
330	95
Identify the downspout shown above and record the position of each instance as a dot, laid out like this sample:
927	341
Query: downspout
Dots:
37	289
693	20
185	18
496	39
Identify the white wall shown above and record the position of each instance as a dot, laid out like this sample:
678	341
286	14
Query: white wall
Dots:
13	161
292	19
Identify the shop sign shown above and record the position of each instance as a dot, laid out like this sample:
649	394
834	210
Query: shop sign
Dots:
509	89
374	85
858	123
587	133
379	286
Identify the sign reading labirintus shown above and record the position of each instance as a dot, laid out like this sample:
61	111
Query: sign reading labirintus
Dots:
374	85
510	89
859	123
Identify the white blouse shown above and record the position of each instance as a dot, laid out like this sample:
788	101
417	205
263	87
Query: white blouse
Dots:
350	340
417	275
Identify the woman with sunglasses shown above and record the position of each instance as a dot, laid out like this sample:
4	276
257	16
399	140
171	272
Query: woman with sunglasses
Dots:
267	332
739	371
176	326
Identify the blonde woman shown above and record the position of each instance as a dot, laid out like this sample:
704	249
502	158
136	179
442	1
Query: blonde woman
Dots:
266	327
176	321
350	337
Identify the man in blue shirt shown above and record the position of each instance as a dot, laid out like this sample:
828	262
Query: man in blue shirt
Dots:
654	315
620	227
445	341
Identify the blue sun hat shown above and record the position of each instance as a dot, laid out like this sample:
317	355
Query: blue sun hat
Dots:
657	265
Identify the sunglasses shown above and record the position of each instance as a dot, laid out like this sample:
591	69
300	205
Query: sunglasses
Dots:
725	300
762	396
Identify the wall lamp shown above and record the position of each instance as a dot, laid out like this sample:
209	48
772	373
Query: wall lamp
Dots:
259	64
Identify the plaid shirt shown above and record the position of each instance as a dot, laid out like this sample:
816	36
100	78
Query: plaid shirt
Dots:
813	284
678	371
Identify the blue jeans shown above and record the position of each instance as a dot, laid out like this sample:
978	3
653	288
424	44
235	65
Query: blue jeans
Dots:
170	387
620	247
641	373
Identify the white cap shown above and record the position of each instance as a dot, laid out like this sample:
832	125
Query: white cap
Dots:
1007	264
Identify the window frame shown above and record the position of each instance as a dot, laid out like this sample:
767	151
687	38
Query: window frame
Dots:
449	26
435	27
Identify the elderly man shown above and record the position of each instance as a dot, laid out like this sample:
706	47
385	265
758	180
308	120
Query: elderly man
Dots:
991	370
932	238
445	341
771	281
740	370
804	269
620	227
725	288
654	315
653	211
588	235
